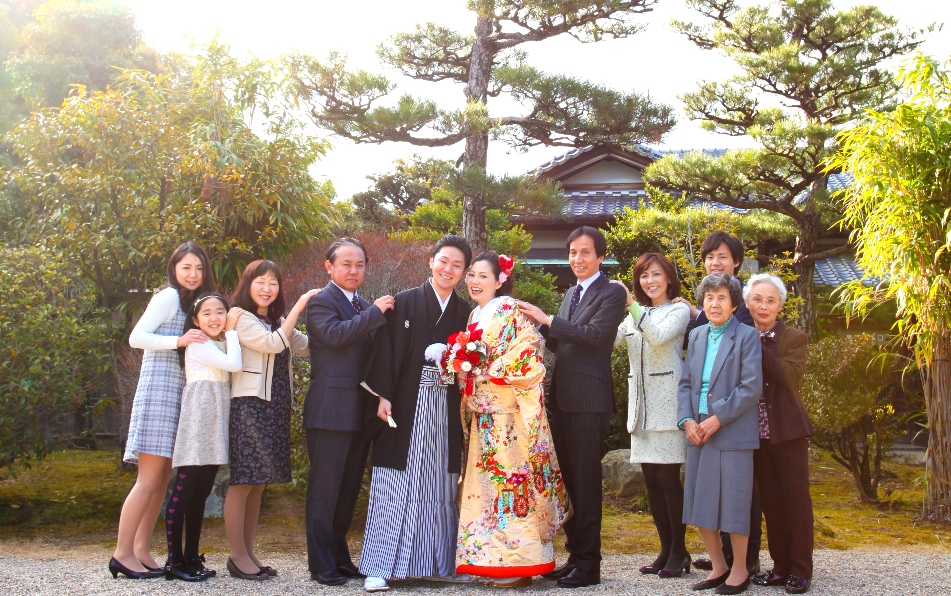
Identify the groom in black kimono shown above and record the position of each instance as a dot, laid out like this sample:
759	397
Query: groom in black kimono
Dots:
412	517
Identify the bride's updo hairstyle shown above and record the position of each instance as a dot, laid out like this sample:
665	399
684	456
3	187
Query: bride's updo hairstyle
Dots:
492	258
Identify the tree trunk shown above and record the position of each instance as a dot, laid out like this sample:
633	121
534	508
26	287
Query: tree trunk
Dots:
805	268
477	143
937	385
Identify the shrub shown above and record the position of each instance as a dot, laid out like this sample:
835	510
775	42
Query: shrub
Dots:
850	388
55	344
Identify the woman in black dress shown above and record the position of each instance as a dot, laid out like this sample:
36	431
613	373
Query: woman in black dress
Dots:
262	393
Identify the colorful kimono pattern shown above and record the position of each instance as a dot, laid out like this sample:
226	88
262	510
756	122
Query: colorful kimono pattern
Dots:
513	498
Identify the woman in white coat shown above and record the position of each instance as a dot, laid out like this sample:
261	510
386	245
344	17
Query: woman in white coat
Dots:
653	330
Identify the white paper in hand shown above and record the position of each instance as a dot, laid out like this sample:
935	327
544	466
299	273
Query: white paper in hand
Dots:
390	421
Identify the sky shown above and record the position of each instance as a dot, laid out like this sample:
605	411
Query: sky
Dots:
656	61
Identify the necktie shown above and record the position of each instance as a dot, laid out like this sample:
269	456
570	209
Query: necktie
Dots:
575	299
356	303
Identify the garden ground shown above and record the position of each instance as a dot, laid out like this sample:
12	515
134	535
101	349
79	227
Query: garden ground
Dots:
61	516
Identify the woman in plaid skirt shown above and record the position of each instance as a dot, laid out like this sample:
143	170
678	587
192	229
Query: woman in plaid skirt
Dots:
155	408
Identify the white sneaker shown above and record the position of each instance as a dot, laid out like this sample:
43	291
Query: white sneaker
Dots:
375	584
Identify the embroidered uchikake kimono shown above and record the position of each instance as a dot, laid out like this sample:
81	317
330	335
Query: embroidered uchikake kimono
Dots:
513	498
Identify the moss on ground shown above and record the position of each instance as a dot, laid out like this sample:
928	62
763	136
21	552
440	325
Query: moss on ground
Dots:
76	496
842	522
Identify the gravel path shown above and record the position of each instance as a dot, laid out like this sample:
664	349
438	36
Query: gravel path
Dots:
840	573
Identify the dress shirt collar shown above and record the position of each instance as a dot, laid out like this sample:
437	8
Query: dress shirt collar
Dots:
587	283
349	295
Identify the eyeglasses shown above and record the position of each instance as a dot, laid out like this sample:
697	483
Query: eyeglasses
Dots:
768	301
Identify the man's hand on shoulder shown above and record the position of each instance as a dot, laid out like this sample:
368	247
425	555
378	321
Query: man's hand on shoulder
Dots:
533	313
384	303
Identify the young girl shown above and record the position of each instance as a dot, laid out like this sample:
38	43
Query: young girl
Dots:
155	408
261	407
201	444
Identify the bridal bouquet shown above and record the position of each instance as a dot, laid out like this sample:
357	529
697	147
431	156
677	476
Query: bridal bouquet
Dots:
465	357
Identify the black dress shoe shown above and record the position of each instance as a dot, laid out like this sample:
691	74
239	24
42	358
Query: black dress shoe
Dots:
178	571
579	578
350	570
796	585
196	565
709	584
726	588
649	569
328	578
768	579
707	565
115	568
559	572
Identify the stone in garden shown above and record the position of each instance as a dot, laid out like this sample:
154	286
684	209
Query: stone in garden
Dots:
619	474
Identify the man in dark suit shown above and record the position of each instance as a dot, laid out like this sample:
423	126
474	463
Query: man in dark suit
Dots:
582	397
723	253
340	329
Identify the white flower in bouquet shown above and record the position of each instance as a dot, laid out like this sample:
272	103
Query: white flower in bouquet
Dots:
477	371
471	346
466	367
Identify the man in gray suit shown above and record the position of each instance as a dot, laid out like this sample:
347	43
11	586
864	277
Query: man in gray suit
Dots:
581	398
340	329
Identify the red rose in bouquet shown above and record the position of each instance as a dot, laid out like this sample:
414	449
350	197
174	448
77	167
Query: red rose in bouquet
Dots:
465	357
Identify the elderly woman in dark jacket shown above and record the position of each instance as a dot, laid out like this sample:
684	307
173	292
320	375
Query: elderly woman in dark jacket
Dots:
781	464
717	396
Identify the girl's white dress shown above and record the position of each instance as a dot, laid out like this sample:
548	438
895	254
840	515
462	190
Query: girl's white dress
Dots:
202	437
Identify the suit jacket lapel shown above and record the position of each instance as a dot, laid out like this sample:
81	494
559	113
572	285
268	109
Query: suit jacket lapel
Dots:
726	346
588	296
696	365
345	304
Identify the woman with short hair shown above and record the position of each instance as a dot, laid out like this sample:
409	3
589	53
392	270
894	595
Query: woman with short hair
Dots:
781	464
653	331
719	388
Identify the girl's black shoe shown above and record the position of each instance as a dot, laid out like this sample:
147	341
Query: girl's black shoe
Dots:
115	568
196	566
178	571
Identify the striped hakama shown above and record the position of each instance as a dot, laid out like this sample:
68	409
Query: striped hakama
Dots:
412	517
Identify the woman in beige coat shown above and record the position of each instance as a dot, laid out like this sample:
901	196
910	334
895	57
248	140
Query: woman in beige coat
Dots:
653	330
262	394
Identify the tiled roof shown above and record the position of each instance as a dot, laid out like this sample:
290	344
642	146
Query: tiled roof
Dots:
608	203
644	150
839	181
593	203
837	270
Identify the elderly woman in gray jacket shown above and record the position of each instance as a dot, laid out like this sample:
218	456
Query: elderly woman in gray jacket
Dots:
653	331
717	407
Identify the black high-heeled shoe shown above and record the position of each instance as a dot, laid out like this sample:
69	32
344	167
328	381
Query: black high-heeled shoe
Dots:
678	571
115	568
709	584
654	567
178	571
196	566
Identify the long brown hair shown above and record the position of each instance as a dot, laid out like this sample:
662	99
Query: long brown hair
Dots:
642	265
186	297
241	297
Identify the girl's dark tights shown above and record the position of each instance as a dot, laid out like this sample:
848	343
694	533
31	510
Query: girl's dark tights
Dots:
186	508
665	494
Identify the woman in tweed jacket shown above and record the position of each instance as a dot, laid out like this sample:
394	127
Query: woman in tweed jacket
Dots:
653	331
